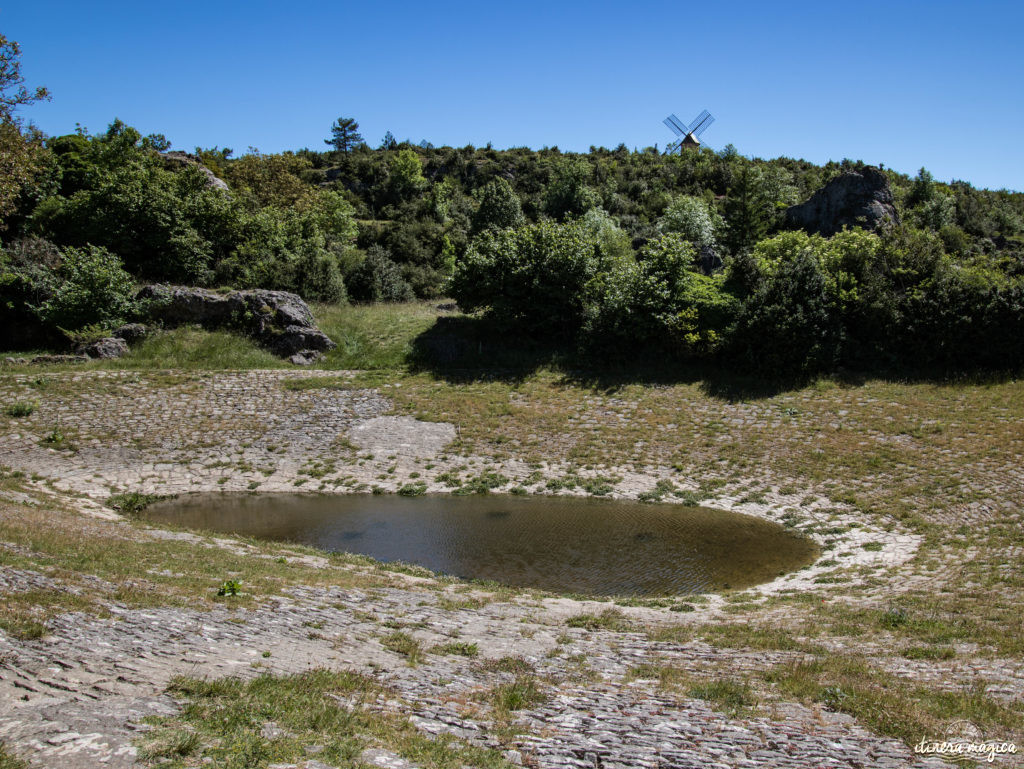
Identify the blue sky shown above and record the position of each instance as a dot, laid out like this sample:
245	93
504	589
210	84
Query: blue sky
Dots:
908	84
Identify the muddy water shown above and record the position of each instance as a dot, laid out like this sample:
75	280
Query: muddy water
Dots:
562	544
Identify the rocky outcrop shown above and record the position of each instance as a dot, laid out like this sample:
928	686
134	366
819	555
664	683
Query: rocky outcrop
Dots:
183	159
130	332
278	320
106	348
852	199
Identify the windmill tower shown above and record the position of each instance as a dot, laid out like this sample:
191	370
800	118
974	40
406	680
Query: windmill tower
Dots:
689	135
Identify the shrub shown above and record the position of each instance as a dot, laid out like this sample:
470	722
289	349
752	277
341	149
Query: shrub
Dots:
378	279
689	216
317	275
94	288
499	207
661	301
538	278
790	324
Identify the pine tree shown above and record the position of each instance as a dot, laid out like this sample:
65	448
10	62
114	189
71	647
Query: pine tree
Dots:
345	135
746	211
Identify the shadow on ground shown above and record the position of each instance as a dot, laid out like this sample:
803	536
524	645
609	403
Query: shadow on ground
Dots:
461	349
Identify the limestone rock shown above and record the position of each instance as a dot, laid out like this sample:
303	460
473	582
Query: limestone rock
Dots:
184	159
298	338
852	199
131	332
279	320
61	359
306	357
106	348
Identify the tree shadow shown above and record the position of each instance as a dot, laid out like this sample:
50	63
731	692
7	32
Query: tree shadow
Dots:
463	349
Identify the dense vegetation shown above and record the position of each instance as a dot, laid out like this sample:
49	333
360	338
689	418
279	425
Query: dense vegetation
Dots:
615	251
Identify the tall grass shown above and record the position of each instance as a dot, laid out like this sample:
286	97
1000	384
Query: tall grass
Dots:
373	336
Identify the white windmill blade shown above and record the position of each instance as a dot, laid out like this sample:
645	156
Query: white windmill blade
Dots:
676	130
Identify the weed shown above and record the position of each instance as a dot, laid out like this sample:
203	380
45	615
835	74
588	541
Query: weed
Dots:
20	409
516	665
402	643
230	587
929	653
726	694
8	761
413	490
460	648
521	693
609	619
133	502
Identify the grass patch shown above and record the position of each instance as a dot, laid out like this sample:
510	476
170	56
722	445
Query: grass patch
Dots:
728	695
888	704
376	336
609	619
413	490
20	409
133	502
402	643
515	665
224	723
522	693
9	761
459	648
193	348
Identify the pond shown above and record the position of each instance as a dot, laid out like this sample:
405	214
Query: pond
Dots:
561	544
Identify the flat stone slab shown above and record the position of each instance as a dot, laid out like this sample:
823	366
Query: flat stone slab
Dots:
402	436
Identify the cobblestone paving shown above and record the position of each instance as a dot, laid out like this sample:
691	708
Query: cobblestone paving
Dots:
77	698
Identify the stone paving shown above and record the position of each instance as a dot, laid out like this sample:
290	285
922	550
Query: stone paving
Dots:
77	697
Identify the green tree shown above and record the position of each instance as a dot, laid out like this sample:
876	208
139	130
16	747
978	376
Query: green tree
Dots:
499	207
21	151
746	210
405	175
569	194
379	279
790	325
13	93
661	303
689	216
538	278
345	135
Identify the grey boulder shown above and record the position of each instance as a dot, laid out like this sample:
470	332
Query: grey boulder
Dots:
853	199
279	320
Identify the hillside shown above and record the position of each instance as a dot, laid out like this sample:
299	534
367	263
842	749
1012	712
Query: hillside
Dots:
683	257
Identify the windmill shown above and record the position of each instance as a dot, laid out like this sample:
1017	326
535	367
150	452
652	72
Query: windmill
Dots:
689	134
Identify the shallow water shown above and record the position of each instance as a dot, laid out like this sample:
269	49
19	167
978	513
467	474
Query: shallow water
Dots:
562	544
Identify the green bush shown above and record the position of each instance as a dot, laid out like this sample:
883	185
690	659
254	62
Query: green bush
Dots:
662	302
499	207
539	278
378	279
93	288
790	325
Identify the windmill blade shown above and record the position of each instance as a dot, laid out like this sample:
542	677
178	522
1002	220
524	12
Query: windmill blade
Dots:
697	121
702	125
677	125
